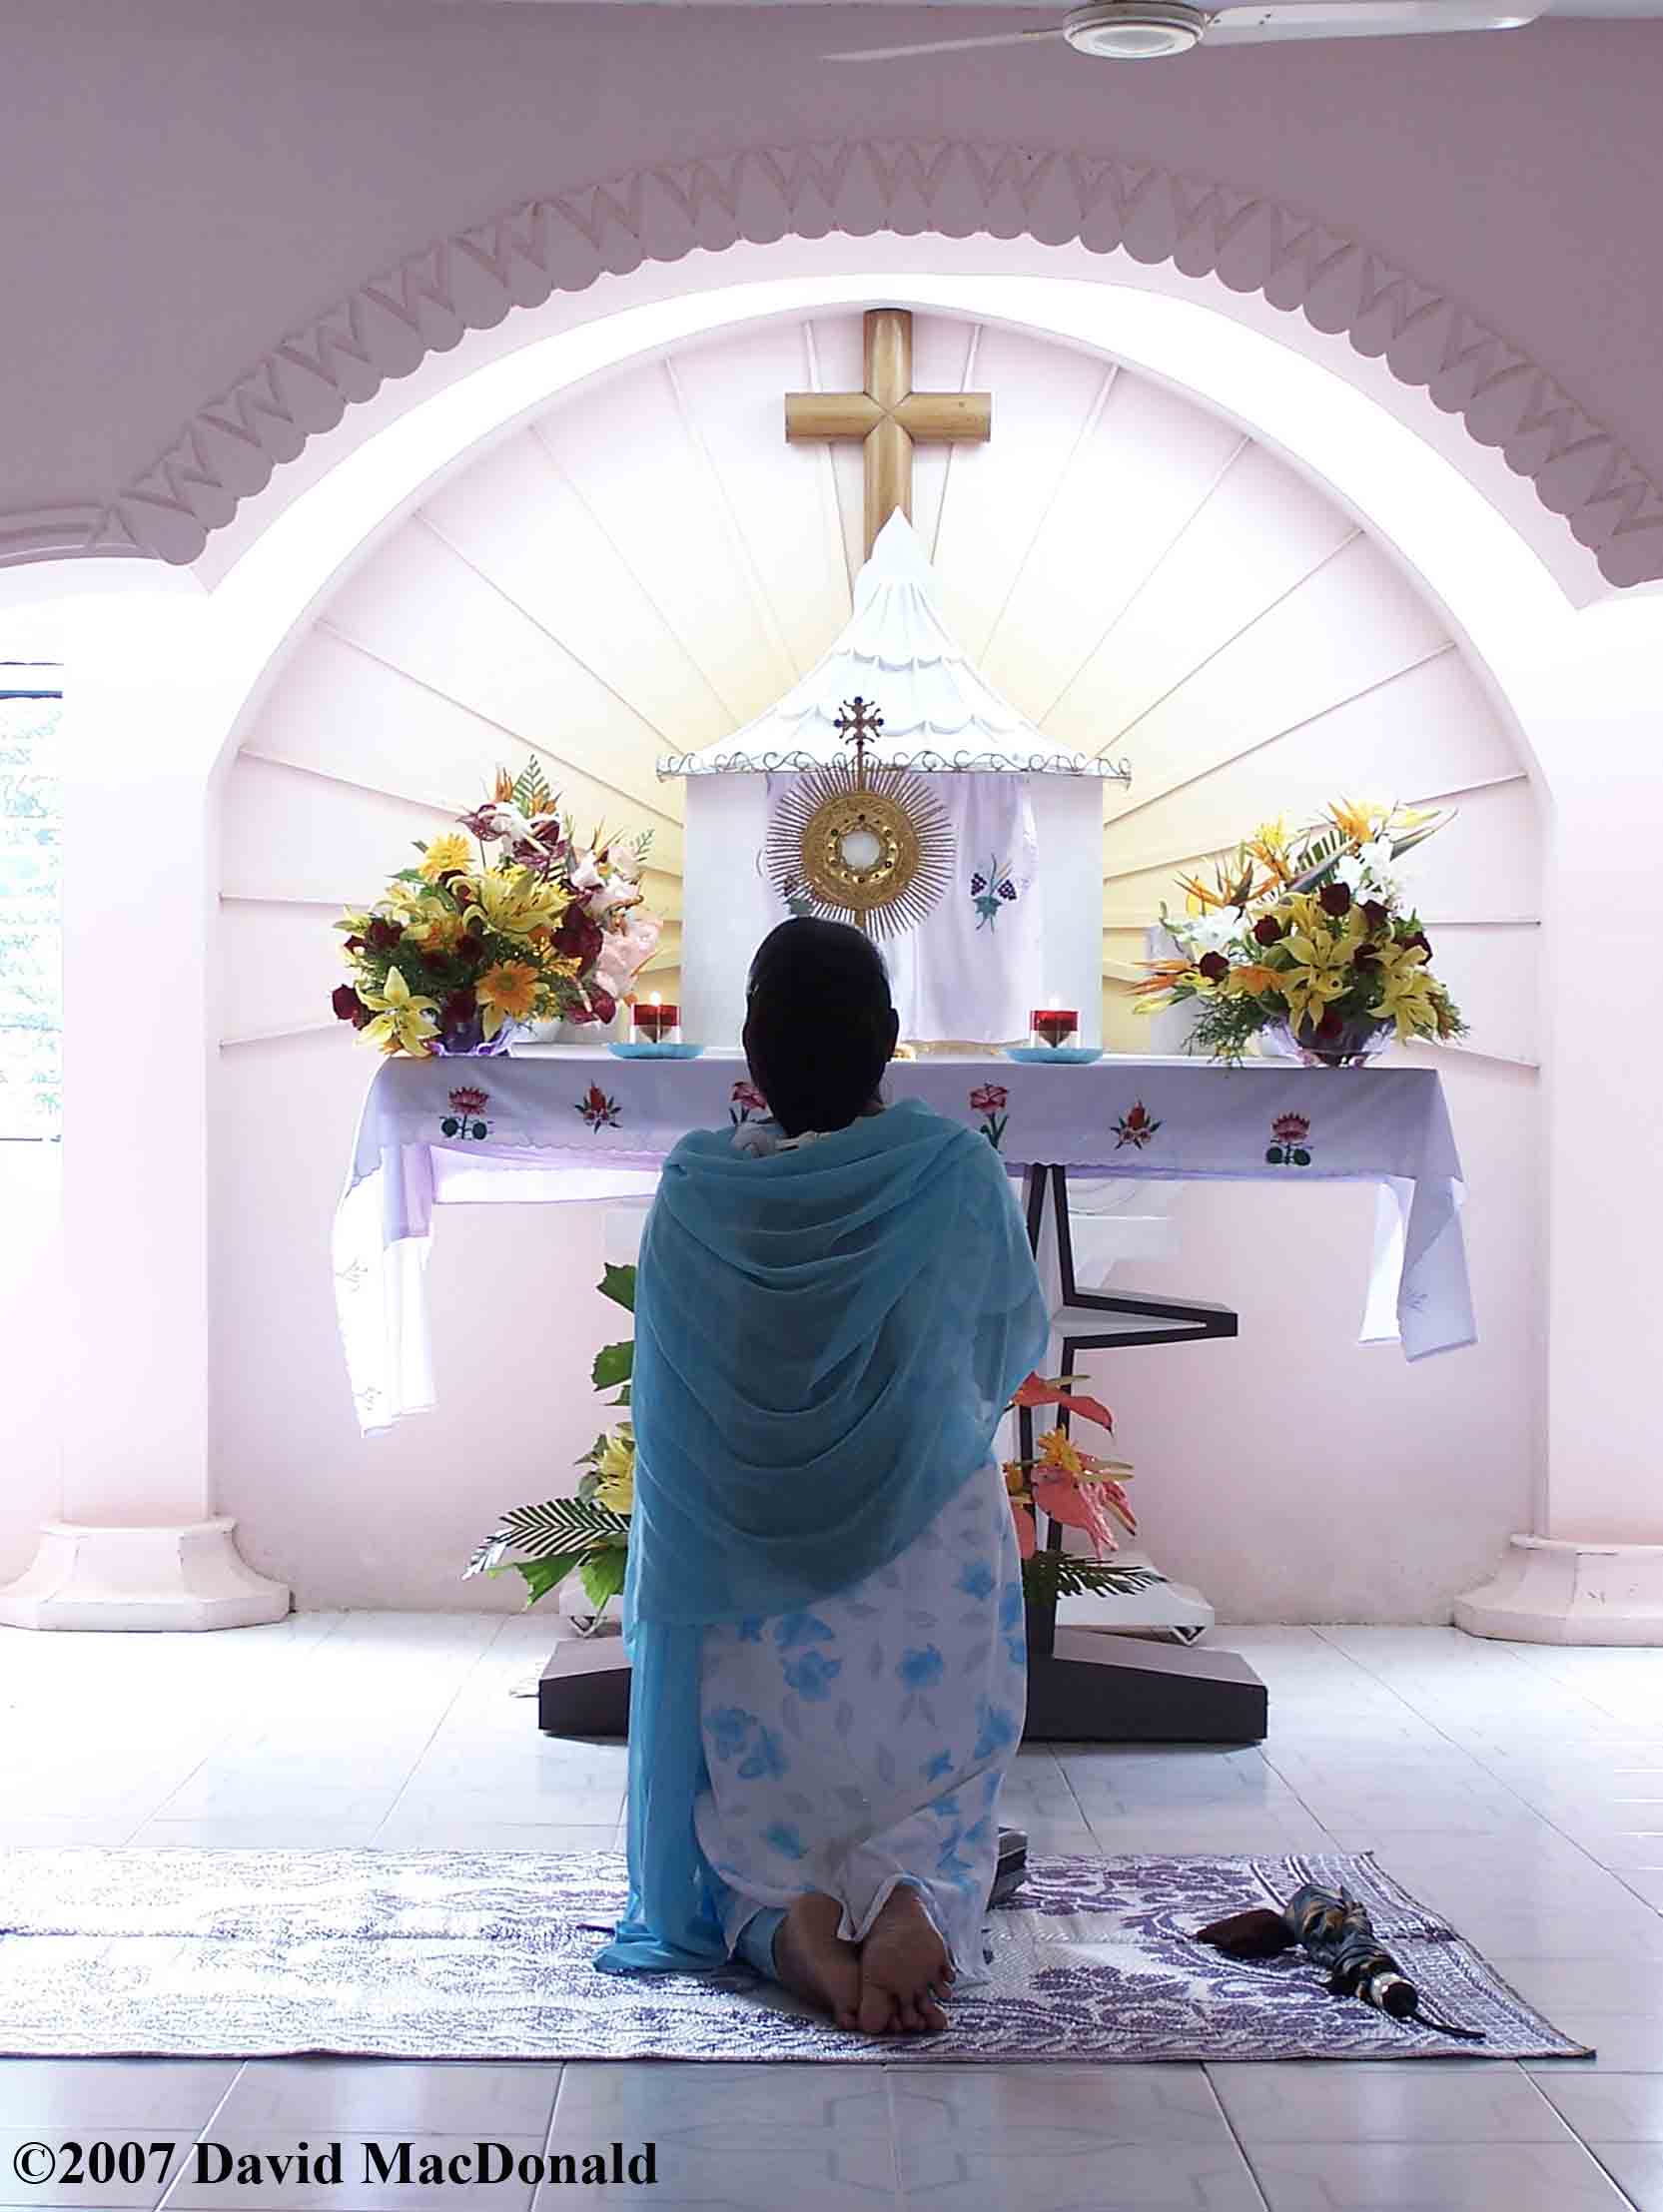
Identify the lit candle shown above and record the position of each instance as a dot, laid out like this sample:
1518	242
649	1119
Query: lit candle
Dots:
1054	1025
658	1024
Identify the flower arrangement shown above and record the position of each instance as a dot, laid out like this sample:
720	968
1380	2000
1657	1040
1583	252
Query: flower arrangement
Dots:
1075	1489
515	921
587	1534
1308	934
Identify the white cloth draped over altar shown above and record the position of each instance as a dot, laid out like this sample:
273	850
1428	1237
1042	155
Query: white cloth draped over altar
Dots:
583	1125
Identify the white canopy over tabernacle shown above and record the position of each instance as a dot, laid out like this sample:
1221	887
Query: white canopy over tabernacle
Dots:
940	713
1020	920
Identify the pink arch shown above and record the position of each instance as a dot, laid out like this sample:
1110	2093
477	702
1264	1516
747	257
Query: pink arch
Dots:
951	187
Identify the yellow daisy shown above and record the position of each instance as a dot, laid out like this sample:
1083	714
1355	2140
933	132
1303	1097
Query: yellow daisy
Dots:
507	991
446	856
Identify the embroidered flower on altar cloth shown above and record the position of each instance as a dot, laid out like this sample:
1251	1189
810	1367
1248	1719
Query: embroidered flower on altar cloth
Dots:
599	1111
1291	1148
467	1102
1134	1128
989	1099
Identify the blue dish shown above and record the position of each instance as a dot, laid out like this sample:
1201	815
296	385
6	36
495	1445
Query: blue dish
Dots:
1066	1055
656	1052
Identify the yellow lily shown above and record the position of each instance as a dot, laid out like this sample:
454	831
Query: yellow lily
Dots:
616	1469
405	1022
437	927
1405	994
515	902
1321	973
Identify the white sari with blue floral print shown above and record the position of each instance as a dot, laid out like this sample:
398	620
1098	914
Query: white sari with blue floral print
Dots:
862	1743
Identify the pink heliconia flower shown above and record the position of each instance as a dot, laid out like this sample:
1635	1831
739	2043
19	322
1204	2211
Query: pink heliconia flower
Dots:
1093	1506
1026	1535
1037	1391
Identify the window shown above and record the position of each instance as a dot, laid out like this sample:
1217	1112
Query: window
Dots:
31	965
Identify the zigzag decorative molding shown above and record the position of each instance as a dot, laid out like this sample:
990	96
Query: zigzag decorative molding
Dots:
953	188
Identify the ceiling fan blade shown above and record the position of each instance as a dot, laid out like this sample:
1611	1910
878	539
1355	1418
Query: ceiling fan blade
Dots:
1294	19
942	46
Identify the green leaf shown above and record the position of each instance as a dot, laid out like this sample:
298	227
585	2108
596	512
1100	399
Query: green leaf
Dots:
613	1364
602	1574
618	1284
488	1558
1067	1575
543	1575
623	1397
563	1524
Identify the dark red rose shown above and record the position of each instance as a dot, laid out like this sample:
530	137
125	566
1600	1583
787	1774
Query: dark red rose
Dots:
580	936
355	944
1374	913
468	947
1213	966
457	1011
384	936
1335	899
1420	938
603	1008
1268	930
433	956
345	1000
1332	1026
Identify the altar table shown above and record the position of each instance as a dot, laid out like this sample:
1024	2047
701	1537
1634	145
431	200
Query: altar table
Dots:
587	1126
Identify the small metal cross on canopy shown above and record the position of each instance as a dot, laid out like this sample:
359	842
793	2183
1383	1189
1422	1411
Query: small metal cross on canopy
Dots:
888	418
857	725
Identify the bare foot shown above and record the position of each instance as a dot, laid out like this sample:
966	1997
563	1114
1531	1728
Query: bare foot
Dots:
902	1970
813	1963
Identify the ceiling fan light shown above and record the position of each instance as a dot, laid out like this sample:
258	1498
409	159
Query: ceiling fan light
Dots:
1134	30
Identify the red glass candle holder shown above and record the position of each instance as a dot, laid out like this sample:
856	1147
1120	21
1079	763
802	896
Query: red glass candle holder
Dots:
657	1024
1055	1025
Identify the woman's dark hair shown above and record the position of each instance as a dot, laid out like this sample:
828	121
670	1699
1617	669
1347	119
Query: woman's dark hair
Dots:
819	1025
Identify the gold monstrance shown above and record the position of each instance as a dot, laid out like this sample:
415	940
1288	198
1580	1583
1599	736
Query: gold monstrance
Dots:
860	843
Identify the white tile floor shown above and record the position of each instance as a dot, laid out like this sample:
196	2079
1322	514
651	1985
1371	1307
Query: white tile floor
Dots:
1520	1790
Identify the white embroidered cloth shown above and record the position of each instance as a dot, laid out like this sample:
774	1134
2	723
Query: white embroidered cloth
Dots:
587	1125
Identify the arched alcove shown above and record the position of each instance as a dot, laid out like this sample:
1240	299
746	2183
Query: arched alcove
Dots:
643	564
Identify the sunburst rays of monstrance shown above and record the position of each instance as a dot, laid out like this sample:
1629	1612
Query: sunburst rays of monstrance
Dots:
854	842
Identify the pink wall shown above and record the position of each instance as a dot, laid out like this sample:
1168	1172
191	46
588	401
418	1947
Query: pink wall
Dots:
186	182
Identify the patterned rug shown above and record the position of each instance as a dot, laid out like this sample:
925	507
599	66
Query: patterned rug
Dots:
487	1955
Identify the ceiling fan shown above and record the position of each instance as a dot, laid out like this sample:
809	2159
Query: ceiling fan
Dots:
1148	30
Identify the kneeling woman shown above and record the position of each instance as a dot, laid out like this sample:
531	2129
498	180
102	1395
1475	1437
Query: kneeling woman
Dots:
825	1601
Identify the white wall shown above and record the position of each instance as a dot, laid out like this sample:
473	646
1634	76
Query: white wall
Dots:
31	1346
1133	572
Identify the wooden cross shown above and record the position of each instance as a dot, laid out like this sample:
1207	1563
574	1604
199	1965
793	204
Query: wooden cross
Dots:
888	417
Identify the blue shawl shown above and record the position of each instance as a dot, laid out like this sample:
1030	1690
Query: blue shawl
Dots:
824	1343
